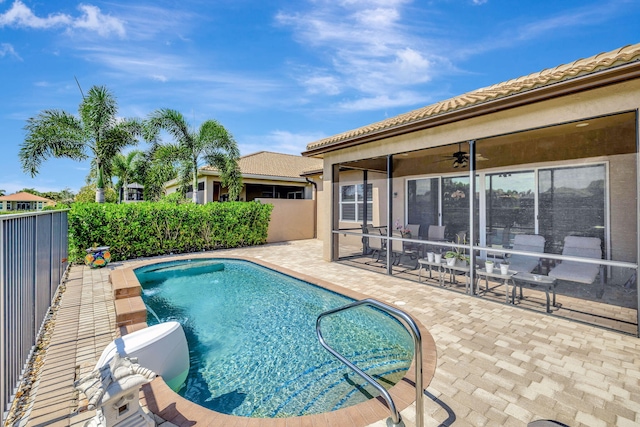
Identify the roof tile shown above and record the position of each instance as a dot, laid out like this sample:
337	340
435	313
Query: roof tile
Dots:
267	163
24	197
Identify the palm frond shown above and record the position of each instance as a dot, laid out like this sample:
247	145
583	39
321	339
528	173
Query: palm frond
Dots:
52	133
98	111
173	122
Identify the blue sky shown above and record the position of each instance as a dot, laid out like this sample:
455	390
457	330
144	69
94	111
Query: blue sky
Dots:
278	74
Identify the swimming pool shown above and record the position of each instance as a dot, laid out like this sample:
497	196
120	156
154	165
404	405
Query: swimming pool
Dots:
251	333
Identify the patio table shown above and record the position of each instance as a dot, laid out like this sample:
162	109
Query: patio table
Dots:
533	281
496	274
424	263
453	269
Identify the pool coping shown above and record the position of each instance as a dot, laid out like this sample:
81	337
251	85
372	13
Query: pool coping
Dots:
164	402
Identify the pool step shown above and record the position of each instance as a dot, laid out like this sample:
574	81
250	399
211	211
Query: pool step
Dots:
331	384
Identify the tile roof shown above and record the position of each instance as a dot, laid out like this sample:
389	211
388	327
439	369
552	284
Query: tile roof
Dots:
627	54
24	197
267	163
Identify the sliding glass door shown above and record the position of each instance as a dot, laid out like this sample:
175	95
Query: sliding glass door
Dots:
567	201
423	203
510	206
572	203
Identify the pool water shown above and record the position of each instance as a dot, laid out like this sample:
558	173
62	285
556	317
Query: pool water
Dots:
252	340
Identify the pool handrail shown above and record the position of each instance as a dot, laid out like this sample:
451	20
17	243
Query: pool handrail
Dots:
412	327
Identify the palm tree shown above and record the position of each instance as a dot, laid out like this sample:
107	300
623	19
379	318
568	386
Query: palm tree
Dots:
125	168
212	143
2	193
97	134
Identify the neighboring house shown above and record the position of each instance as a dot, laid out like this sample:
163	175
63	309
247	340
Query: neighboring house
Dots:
24	202
133	193
556	154
265	175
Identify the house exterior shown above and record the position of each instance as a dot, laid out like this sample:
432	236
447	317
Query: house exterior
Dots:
265	175
24	201
133	193
554	153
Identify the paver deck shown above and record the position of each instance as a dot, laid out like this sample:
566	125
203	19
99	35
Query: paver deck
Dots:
497	364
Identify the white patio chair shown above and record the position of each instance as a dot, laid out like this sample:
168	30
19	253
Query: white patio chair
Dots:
526	243
573	271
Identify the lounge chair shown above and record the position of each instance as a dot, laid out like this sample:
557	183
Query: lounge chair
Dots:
526	243
580	272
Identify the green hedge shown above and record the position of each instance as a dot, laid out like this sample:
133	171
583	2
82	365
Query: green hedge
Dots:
148	229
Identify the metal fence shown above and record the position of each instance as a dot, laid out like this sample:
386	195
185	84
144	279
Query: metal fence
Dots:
33	259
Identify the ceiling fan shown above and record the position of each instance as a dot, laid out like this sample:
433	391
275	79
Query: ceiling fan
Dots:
461	158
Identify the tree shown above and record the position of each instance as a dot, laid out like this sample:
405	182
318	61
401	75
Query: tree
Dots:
125	168
96	134
159	167
2	193
87	195
211	143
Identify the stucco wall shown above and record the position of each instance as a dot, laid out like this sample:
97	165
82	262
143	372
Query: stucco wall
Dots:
291	219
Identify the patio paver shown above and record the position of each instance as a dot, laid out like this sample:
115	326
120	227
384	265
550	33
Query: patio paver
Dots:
497	364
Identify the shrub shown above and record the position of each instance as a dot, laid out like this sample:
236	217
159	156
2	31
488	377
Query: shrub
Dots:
148	229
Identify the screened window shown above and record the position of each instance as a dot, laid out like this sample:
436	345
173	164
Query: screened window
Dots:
352	202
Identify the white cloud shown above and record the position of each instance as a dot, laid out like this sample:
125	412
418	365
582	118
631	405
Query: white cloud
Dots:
94	20
369	52
384	101
279	141
7	49
479	2
323	84
21	16
91	18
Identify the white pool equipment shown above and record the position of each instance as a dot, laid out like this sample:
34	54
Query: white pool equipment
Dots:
162	348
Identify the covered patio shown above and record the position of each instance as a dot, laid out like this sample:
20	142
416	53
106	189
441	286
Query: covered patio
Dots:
550	158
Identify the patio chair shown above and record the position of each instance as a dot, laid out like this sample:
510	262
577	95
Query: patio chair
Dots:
435	233
397	247
376	245
414	229
526	243
412	249
574	271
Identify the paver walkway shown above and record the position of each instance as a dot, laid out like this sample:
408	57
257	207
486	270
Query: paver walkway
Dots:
497	364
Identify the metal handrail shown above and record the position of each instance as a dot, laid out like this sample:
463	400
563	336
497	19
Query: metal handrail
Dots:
410	325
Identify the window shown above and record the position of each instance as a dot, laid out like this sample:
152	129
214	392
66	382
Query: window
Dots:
352	202
295	195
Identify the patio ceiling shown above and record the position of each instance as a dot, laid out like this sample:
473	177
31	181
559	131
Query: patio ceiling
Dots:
601	136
